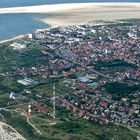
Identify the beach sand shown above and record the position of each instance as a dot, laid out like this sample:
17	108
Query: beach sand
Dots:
94	12
76	6
9	133
80	13
12	39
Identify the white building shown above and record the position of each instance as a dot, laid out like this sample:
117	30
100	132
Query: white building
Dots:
27	81
30	36
18	46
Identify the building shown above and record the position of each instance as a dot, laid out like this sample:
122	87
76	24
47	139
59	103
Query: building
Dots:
27	81
18	46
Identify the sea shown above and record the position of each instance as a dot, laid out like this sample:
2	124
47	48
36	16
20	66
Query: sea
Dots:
12	25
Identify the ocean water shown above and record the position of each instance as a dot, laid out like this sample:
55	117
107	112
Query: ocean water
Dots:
13	3
12	25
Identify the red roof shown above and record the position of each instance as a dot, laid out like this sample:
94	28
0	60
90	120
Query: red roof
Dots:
69	73
134	101
103	104
75	109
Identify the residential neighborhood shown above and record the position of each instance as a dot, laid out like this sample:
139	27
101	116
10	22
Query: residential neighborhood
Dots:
91	72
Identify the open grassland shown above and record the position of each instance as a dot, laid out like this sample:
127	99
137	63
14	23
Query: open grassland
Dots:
68	127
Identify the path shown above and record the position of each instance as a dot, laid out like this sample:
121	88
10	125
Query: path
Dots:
37	130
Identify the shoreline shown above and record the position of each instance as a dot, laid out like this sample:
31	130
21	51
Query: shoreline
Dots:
77	13
21	36
50	26
12	39
53	26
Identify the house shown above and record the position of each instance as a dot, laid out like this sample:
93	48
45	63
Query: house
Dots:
75	110
103	104
15	96
82	113
45	76
66	74
124	99
28	91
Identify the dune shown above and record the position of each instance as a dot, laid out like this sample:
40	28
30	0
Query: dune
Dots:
9	133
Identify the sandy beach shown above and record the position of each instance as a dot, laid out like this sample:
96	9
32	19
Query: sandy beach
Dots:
80	13
9	133
76	6
93	12
12	39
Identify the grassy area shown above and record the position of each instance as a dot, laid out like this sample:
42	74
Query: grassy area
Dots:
9	83
10	58
136	128
21	125
119	64
68	127
4	98
46	87
120	89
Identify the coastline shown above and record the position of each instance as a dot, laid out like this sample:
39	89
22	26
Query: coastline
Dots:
12	39
21	36
92	12
77	13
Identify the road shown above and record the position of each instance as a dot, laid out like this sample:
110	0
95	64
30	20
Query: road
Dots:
37	130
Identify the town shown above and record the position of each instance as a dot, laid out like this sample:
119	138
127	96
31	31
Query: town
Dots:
79	49
95	70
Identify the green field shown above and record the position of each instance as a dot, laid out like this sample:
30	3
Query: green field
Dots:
67	128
